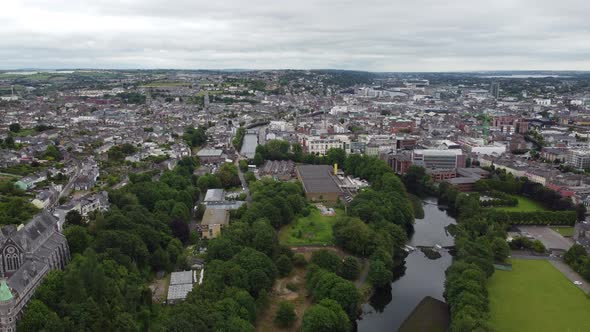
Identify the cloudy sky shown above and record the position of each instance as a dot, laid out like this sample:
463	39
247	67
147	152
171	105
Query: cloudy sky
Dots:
375	35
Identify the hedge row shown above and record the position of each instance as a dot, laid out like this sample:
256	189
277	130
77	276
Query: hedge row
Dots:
533	218
500	199
499	202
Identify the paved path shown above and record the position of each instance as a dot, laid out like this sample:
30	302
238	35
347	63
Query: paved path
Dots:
550	238
571	274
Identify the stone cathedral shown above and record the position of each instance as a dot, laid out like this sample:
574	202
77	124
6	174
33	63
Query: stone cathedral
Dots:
27	254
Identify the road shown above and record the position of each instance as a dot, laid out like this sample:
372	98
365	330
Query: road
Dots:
68	187
243	179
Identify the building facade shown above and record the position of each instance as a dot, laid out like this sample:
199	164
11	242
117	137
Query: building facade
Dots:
445	159
26	256
579	159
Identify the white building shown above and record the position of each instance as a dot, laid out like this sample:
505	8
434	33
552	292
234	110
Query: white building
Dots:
543	102
320	145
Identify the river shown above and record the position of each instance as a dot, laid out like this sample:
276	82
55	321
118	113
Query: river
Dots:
387	309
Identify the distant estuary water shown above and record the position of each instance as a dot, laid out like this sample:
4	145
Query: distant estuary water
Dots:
388	309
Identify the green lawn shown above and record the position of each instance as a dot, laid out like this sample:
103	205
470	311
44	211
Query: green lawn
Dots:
564	231
524	205
536	297
314	229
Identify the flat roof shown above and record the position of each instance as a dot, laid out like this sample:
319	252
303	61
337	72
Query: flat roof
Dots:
183	277
318	179
249	145
215	216
435	152
462	180
179	292
209	153
214	195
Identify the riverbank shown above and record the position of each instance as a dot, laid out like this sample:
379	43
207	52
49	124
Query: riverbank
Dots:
420	277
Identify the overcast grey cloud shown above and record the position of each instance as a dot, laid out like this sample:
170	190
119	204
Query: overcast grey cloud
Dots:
419	35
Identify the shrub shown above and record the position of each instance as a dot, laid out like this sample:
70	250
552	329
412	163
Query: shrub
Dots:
326	259
299	260
284	265
538	246
350	268
285	315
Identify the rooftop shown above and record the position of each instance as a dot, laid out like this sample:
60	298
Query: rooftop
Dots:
215	216
184	277
317	178
209	153
214	195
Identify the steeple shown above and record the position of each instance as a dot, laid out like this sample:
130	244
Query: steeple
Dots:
5	293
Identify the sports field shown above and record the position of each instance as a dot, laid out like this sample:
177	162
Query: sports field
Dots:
536	297
524	205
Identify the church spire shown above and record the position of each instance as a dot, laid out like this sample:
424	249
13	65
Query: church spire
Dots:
5	293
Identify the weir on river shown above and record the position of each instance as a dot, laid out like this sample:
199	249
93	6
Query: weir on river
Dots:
387	309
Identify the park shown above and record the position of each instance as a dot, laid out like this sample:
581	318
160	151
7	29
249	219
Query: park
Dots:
314	229
524	205
535	296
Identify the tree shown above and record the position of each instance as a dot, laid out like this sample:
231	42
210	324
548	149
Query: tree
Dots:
228	175
249	177
326	259
181	212
501	249
285	315
264	239
417	181
243	165
258	281
379	275
74	218
53	153
180	230
78	239
38	317
195	137
159	260
14	127
258	159
326	316
350	268
581	212
354	235
336	156
538	246
9	142
297	152
275	149
284	265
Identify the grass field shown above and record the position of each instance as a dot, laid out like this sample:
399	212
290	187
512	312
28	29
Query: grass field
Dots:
314	229
564	231
524	205
536	297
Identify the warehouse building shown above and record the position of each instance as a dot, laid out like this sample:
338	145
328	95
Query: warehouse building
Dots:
319	182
